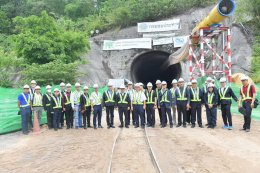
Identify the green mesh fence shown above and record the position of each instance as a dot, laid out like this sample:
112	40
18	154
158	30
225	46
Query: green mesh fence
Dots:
9	119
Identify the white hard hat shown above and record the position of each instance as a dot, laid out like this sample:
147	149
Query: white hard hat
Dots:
37	87
137	85
141	84
181	80
122	86
223	79
210	85
189	84
56	89
244	78
209	79
77	84
194	81
164	83
33	82
85	87
149	84
95	86
48	87
109	84
130	83
62	84
26	87
174	81
68	85
158	82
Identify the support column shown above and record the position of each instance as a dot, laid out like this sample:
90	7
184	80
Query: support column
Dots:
202	54
190	58
229	55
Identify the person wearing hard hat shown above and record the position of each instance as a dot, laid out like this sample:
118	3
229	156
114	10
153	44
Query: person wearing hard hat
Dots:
211	102
130	91
157	91
225	94
165	100
247	98
75	101
85	107
24	104
33	84
182	100
96	106
62	91
123	101
37	105
174	108
139	105
67	108
56	108
196	99
46	101
188	119
151	105
208	81
109	99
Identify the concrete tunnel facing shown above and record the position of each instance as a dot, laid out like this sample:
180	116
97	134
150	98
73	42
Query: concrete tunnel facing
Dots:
150	66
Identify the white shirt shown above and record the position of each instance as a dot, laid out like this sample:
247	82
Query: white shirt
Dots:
96	98
130	92
74	98
140	95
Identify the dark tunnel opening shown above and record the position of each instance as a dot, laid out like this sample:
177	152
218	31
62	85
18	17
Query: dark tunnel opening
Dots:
150	66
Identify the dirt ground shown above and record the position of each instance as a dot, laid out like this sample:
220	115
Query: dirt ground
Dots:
177	150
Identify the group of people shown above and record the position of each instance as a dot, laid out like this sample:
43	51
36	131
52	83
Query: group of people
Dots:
135	104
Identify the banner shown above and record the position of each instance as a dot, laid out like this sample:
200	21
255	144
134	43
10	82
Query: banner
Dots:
167	25
161	41
136	43
158	35
180	41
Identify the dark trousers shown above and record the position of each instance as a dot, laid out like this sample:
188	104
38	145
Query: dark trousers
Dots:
129	116
123	111
69	116
56	118
182	113
168	111
212	116
30	120
62	118
196	113
139	113
150	112
188	118
110	115
25	114
97	114
86	117
226	114
49	118
247	117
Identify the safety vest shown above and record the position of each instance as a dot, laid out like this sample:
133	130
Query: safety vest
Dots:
67	99
222	95
157	92
165	97
149	99
87	100
77	95
196	98
97	98
37	100
57	103
137	98
247	96
49	98
182	96
109	97
26	100
122	99
210	98
173	92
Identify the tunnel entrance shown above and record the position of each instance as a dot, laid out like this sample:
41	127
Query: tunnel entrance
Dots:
150	66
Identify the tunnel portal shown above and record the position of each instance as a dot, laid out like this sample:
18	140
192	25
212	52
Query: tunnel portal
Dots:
150	66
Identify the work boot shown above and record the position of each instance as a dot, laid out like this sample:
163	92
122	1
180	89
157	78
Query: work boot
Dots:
121	126
126	126
193	125
184	126
171	126
178	125
247	130
201	126
112	126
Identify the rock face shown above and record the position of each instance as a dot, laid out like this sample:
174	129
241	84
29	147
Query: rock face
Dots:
148	65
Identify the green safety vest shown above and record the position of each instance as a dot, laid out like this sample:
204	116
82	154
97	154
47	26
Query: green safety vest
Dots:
97	98
157	92
181	96
173	92
210	98
27	100
149	99
222	95
165	97
247	96
37	100
122	99
67	99
49	98
137	99
58	104
77	94
196	98
110	99
87	100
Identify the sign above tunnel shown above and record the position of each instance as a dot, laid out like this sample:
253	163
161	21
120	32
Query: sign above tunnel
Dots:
135	43
159	26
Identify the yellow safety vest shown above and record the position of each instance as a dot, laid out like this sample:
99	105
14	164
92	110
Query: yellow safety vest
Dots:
122	99
210	98
48	97
181	96
137	98
77	94
87	100
157	92
67	99
37	100
58	104
247	96
110	99
97	99
149	99
196	98
165	97
222	95
173	92
27	100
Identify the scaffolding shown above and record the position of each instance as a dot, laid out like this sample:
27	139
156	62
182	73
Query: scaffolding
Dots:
205	48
